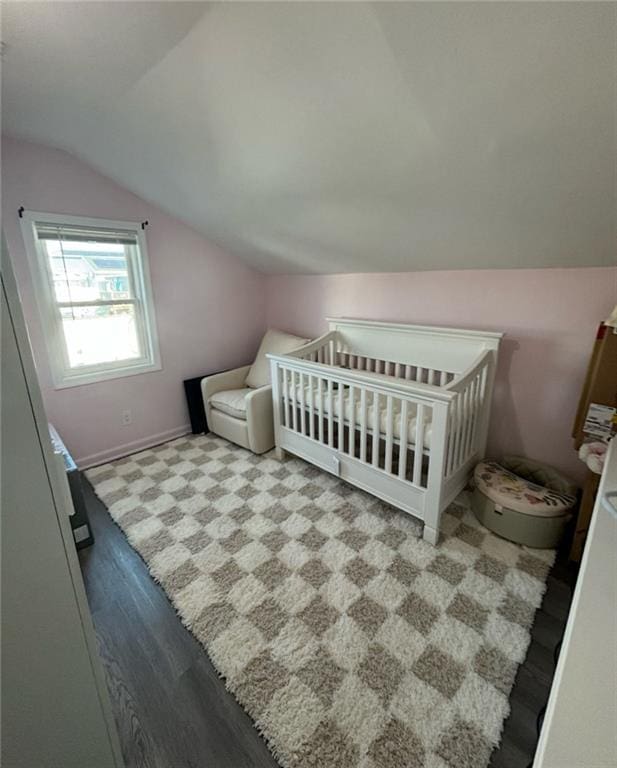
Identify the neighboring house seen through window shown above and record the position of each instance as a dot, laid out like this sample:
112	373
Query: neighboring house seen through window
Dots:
93	289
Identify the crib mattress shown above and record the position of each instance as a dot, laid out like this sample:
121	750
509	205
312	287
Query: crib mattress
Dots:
311	397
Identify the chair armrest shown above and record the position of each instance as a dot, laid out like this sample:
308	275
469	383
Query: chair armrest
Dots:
219	382
259	419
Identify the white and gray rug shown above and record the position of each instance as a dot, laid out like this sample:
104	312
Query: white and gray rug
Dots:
349	640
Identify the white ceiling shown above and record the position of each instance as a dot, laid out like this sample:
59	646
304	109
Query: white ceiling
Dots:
338	137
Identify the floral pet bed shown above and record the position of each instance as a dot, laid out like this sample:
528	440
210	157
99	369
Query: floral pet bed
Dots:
510	490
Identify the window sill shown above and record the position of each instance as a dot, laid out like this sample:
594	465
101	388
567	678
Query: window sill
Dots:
95	377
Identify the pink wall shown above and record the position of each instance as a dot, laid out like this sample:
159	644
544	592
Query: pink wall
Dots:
549	315
211	312
209	306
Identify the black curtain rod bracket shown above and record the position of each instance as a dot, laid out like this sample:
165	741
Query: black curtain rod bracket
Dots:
21	211
144	224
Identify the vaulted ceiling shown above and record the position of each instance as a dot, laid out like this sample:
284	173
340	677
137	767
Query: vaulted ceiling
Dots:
338	137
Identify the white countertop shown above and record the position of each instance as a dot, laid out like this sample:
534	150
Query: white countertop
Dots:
580	726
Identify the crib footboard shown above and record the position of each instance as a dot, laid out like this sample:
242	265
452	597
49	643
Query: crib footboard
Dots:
468	419
389	439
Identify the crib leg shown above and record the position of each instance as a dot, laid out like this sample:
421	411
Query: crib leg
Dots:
279	453
430	534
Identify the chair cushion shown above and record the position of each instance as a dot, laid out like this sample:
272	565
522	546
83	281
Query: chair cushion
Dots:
231	401
509	490
274	343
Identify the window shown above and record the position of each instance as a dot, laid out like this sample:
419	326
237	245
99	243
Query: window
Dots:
92	285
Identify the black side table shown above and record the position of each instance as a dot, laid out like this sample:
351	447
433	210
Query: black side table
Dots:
195	403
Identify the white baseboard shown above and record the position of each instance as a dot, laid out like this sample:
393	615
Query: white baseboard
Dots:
94	459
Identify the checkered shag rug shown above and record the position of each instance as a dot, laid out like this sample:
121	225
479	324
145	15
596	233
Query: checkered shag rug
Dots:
350	641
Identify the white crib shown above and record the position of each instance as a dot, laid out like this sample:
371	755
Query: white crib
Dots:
401	411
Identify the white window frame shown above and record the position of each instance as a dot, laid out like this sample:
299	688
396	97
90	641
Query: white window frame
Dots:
63	374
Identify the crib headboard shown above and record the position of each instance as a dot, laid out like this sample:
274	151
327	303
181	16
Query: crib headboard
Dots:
451	349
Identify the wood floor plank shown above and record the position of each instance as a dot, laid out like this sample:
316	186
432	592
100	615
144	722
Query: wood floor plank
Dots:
172	708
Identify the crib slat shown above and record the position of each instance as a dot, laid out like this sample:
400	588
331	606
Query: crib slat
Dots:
478	408
476	413
420	375
451	435
443	378
363	418
470	418
448	445
320	407
402	456
376	425
465	427
408	371
459	425
294	409
397	370
302	405
431	376
484	381
285	397
455	424
352	421
341	418
459	430
389	434
330	415
311	409
418	445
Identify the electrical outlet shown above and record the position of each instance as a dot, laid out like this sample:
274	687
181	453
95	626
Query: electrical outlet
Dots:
127	417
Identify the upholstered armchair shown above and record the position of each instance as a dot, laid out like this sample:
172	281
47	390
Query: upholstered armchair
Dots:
238	403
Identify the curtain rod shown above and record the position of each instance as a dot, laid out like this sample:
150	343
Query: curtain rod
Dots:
21	209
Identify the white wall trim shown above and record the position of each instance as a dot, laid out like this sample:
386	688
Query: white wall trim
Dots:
102	457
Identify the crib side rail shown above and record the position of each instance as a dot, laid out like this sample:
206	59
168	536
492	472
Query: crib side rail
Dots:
469	413
382	424
332	349
321	350
348	377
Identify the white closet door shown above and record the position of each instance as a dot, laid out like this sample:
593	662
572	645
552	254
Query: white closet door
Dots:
55	707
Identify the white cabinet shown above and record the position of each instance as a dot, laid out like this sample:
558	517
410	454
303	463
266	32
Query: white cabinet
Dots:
55	707
580	726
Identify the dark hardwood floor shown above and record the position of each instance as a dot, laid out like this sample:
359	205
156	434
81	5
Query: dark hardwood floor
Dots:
171	707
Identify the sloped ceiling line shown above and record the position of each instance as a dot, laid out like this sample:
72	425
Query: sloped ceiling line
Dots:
338	137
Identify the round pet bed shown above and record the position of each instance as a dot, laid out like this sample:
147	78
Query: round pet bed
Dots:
522	500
